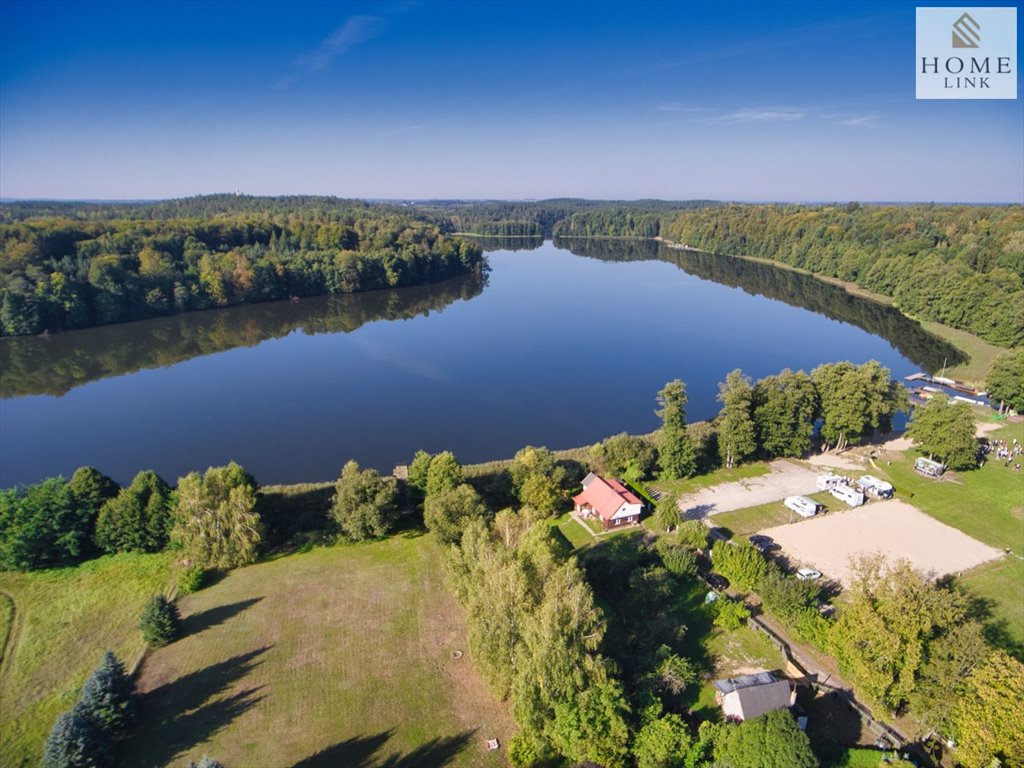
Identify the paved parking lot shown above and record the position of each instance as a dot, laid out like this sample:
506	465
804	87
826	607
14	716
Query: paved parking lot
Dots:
786	478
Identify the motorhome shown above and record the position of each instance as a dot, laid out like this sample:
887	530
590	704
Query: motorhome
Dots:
828	482
802	505
929	467
849	496
874	487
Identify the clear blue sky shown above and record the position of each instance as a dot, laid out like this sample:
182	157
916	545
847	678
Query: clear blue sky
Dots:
744	101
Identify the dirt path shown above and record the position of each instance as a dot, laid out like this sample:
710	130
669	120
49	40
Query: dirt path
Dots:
785	478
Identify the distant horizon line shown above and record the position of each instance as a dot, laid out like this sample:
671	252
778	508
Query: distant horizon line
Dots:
480	200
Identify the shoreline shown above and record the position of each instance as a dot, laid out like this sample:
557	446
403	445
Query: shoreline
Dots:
979	352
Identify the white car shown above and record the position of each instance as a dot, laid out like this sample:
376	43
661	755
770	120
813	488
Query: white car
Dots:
808	574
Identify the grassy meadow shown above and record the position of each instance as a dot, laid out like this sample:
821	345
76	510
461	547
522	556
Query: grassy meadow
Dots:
54	627
345	655
988	504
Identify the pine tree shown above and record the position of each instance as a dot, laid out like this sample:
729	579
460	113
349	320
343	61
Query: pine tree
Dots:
75	743
107	700
160	621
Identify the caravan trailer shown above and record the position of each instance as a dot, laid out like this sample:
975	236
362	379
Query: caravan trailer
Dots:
849	496
874	487
929	468
802	505
828	482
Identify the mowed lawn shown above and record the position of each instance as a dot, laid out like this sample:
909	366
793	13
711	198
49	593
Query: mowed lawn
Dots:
57	624
346	656
988	504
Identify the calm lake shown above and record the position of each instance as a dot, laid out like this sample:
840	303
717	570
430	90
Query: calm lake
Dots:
560	345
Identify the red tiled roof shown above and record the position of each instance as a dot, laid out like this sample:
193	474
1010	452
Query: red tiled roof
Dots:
604	496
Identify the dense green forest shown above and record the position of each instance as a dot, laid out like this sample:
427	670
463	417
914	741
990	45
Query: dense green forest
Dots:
71	265
962	266
115	263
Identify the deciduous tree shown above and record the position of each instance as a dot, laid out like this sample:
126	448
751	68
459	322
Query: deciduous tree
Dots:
676	454
1005	380
772	740
736	438
945	430
988	719
216	521
365	503
446	514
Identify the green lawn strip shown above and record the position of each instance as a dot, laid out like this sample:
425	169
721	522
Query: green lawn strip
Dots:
577	537
342	653
1000	585
66	619
743	522
981	354
987	504
691	484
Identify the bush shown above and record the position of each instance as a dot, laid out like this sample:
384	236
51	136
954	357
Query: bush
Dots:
678	560
693	534
730	614
160	622
191	579
741	564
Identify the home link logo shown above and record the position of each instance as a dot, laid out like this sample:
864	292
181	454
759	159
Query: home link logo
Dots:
955	60
966	32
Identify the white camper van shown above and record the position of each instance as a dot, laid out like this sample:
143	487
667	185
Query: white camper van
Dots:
828	482
849	496
802	505
874	487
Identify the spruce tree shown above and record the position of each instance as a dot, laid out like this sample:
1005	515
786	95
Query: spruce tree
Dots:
75	743
160	621
107	700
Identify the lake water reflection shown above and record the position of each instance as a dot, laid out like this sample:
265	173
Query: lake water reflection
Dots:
550	349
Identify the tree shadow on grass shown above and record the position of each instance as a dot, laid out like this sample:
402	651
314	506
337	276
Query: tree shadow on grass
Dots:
362	752
189	710
195	623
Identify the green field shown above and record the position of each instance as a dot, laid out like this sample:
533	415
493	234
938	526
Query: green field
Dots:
988	504
63	621
338	656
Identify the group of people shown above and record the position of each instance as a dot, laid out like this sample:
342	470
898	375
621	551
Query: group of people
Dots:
1008	453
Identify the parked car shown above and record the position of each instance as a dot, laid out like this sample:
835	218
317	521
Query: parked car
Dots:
717	582
808	574
764	545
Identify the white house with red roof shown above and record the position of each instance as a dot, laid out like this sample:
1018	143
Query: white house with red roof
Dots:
609	501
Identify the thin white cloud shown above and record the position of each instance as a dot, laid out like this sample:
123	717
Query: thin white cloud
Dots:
355	30
675	106
853	120
765	115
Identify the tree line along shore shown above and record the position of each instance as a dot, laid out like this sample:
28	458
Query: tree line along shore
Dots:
75	265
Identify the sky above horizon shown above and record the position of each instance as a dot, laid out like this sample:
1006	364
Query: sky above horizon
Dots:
803	101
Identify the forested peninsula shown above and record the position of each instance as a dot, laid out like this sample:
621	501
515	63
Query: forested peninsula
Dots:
70	266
